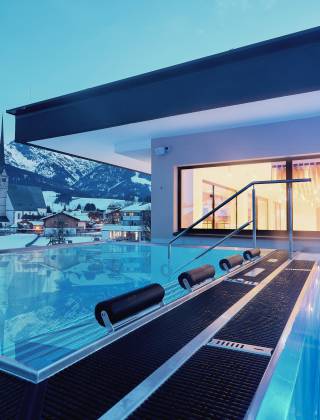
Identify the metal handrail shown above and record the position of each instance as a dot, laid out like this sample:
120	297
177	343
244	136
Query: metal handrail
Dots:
233	196
234	232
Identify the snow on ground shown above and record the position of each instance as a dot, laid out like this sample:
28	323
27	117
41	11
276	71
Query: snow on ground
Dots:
136	179
80	239
16	240
100	203
42	242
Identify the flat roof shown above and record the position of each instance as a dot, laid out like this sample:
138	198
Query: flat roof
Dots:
276	68
223	58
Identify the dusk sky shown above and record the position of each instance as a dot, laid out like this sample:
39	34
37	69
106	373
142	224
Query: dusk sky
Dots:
53	47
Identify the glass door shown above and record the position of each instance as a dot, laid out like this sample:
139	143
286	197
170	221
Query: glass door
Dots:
306	196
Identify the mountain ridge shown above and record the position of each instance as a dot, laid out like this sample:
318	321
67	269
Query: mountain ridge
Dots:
62	173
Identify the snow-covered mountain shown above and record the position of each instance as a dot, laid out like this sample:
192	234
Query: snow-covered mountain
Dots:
112	181
66	174
48	164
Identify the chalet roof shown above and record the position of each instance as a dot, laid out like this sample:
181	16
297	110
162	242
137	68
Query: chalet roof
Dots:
61	212
82	217
136	207
26	198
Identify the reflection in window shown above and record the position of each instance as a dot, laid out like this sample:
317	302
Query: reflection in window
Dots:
202	189
306	196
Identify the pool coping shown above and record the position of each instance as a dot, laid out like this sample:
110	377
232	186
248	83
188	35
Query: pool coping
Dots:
121	243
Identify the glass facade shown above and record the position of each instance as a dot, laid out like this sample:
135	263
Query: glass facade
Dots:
306	196
203	188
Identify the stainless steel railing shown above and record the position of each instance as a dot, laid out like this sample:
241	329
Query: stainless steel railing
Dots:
234	232
254	213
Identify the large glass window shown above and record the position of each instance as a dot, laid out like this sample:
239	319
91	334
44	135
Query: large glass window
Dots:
204	188
306	196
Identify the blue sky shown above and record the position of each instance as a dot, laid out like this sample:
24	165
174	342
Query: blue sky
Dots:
53	47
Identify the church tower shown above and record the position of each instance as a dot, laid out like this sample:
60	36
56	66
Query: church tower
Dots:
4	181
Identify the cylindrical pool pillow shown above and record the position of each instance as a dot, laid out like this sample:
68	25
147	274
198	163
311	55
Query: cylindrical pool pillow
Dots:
197	275
128	304
231	262
251	253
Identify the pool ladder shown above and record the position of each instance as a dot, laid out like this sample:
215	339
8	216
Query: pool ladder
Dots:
252	185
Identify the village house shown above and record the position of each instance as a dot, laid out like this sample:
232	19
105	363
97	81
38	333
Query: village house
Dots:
67	223
134	224
23	202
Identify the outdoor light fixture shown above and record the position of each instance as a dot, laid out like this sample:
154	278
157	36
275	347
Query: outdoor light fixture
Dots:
160	151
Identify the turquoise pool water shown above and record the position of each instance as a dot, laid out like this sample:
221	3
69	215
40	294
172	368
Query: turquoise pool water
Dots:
47	297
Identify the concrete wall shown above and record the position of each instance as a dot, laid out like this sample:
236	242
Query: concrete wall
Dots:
282	139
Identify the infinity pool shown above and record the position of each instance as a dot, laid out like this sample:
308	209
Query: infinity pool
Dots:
47	297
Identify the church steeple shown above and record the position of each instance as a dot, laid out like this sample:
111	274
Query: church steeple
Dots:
4	184
2	159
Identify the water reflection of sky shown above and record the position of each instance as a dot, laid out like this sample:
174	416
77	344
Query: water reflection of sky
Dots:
47	297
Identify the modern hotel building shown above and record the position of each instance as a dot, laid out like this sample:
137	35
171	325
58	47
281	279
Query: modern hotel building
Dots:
205	129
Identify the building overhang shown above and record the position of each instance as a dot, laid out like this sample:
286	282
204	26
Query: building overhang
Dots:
114	123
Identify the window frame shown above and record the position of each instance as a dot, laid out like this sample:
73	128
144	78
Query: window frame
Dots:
248	232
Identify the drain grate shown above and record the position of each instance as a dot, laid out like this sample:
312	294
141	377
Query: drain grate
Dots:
247	348
302	264
213	384
243	281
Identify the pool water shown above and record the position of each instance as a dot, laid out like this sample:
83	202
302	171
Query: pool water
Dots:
47	297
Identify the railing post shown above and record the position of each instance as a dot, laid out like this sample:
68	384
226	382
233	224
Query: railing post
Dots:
169	250
290	220
254	218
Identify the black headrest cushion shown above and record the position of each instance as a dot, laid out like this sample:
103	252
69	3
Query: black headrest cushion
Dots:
230	262
128	304
251	253
197	275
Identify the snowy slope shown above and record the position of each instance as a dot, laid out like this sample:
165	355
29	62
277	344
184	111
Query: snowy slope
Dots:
77	177
114	182
51	199
48	164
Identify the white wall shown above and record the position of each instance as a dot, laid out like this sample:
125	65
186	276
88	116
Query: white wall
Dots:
10	211
282	139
